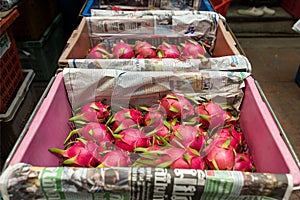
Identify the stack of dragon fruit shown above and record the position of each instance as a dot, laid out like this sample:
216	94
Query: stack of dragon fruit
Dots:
190	49
177	132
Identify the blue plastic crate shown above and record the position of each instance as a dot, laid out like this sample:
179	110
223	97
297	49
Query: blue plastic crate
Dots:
206	6
94	4
90	4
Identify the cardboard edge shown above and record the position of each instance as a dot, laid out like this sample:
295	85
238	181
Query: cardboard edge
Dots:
71	42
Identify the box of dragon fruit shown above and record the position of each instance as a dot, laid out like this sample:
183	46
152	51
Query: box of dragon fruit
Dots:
157	34
204	123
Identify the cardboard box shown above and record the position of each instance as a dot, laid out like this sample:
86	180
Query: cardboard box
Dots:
79	42
270	152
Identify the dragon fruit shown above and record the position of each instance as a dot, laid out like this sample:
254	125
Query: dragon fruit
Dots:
220	155
177	106
69	152
199	142
235	136
84	158
130	139
160	157
76	155
123	50
211	115
144	50
231	119
184	136
97	149
92	112
125	118
161	135
166	50
189	160
176	132
99	52
155	124
115	158
141	44
191	49
243	163
155	117
92	131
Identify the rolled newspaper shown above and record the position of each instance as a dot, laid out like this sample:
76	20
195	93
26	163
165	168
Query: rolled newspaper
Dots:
23	181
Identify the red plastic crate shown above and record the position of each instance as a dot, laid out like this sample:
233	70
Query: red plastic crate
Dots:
221	6
292	7
11	75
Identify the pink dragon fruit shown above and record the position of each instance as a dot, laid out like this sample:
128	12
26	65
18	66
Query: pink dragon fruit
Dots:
115	158
161	158
162	136
177	106
211	115
99	52
93	131
243	163
155	117
92	112
191	49
155	124
199	142
144	50
130	139
84	158
166	50
235	136
76	155
97	149
126	118
184	136
123	50
231	119
182	163
141	44
189	160
220	155
69	152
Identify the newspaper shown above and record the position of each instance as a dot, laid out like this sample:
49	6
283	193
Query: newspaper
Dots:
224	63
151	4
144	88
155	27
160	13
23	181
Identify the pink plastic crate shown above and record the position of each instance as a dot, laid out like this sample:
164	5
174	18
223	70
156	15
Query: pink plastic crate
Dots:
49	129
